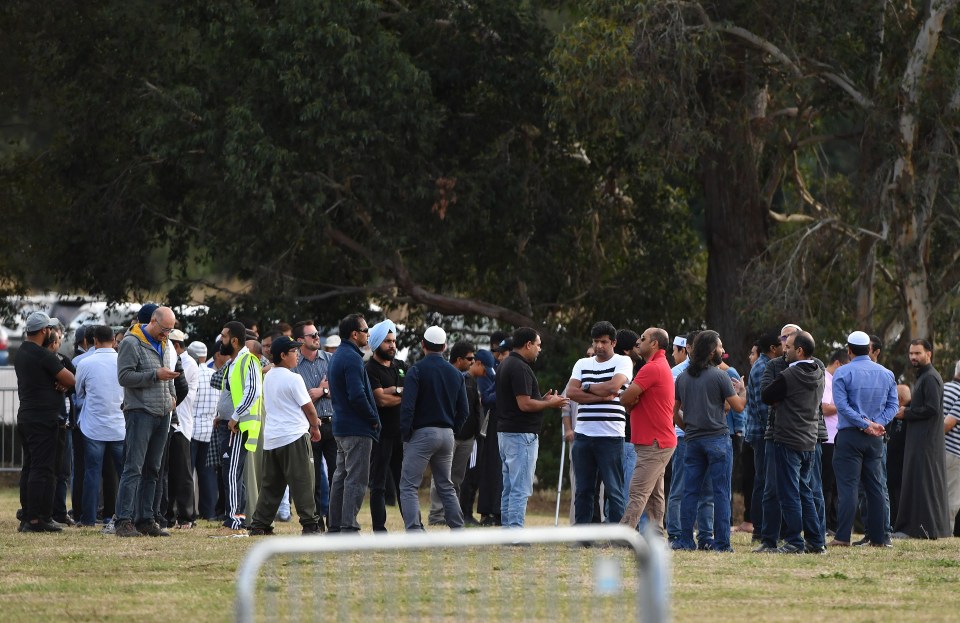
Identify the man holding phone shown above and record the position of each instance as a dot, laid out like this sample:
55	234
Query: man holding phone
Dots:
149	397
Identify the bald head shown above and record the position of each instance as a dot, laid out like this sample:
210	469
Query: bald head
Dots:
162	322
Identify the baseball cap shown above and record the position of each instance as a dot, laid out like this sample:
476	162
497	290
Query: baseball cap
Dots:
177	336
39	320
283	344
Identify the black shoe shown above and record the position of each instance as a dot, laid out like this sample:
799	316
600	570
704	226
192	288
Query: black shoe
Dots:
66	520
470	520
765	549
886	544
126	529
864	541
787	548
322	524
706	546
311	530
152	529
261	531
813	549
42	526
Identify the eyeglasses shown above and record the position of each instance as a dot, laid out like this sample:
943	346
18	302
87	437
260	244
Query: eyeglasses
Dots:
311	335
469	358
364	330
165	330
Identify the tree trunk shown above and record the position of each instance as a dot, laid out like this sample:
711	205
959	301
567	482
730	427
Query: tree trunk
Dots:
737	232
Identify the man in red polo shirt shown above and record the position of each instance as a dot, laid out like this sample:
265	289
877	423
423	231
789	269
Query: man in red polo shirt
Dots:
651	422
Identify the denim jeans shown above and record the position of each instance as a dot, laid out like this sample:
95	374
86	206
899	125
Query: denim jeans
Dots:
350	482
603	457
816	485
770	528
93	452
431	446
864	504
704	508
795	491
145	440
518	458
711	456
857	458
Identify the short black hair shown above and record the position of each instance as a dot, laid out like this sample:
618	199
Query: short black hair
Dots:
235	329
626	340
839	356
691	338
101	333
876	343
496	338
803	339
349	324
460	350
767	341
603	328
297	333
859	350
927	346
523	335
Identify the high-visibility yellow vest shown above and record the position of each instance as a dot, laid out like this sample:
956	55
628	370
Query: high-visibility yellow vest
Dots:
250	422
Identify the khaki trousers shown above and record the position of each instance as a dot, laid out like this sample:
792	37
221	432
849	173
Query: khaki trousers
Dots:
646	486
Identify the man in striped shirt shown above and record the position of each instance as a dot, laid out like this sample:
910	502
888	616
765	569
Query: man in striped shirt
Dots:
204	418
951	417
595	384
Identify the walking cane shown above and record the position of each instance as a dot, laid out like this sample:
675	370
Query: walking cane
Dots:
563	454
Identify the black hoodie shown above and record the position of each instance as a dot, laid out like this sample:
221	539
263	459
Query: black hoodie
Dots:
797	392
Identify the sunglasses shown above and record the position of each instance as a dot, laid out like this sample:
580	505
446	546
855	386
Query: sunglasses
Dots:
469	358
364	330
311	335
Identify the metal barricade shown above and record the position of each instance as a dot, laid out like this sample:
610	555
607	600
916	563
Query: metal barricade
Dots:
11	454
599	572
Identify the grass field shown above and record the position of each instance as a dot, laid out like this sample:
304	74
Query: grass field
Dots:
80	575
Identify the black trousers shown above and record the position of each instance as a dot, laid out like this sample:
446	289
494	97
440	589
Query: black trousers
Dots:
38	478
182	501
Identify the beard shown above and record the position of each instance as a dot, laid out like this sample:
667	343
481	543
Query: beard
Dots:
226	349
717	359
385	355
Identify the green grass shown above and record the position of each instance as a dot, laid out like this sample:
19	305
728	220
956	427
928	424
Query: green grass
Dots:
82	576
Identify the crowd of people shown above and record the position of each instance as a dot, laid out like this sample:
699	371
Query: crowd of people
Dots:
819	446
142	432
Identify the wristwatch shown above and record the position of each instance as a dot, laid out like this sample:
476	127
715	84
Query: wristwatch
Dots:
398	390
585	387
326	392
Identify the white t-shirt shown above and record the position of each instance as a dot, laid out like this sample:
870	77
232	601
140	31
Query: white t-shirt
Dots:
607	418
284	394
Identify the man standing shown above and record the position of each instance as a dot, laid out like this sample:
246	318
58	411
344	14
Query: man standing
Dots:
204	420
101	422
313	366
243	382
829	409
769	347
595	385
865	394
651	427
520	409
951	417
702	391
40	378
290	426
182	505
386	379
923	500
356	425
149	397
434	406
797	391
464	359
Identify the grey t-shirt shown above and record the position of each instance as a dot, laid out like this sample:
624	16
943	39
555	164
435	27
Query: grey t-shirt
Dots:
701	398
